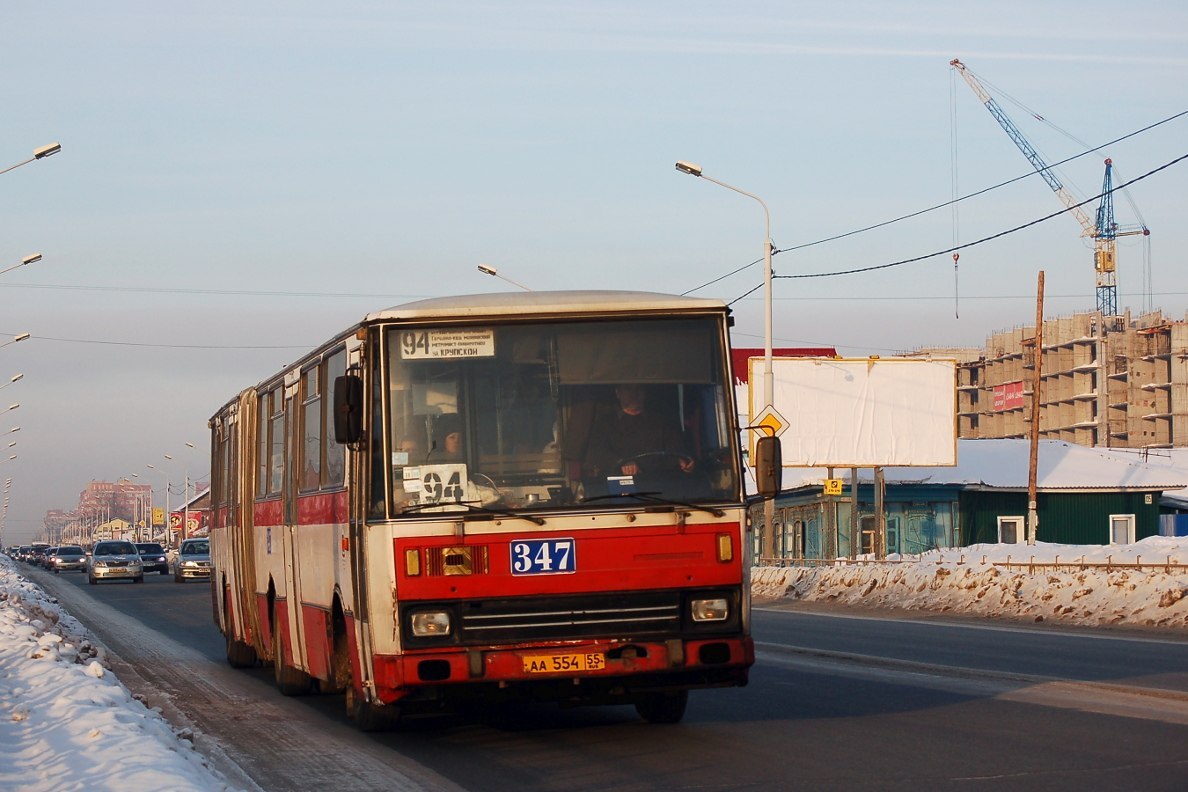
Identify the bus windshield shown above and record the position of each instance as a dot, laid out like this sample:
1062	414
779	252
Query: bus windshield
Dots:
534	416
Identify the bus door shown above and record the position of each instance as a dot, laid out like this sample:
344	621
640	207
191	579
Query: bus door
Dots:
290	530
358	483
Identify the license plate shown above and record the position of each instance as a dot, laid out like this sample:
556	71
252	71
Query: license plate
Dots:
561	663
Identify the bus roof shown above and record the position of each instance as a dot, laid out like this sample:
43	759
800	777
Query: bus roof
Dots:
543	302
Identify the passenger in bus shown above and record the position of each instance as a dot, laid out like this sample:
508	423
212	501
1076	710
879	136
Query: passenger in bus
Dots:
633	439
409	442
447	439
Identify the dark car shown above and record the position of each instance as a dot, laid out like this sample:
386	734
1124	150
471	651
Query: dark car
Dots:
66	557
152	557
37	553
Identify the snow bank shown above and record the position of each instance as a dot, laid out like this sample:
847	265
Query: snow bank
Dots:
66	722
974	580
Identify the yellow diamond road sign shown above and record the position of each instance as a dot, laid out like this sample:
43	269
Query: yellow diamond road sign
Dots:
770	421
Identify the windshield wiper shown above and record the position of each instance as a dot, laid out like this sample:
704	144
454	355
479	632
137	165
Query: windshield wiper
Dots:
653	497
474	509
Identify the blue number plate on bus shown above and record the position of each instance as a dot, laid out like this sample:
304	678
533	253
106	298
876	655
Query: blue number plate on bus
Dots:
543	557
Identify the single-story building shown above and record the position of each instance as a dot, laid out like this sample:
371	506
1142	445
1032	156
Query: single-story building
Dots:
1083	496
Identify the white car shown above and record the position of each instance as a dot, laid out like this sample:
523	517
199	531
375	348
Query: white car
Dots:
114	560
193	561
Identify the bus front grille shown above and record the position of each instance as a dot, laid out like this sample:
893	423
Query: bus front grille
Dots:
630	615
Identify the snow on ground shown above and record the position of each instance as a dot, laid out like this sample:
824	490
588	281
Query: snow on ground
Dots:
974	580
66	722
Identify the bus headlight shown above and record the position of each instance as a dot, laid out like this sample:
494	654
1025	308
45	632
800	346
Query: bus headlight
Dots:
709	610
430	624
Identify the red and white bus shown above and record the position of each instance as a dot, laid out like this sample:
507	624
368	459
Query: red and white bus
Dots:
413	513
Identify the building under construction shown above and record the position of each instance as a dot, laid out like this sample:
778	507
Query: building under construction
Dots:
1124	385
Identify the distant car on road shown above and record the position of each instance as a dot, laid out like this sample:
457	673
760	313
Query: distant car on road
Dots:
37	553
193	561
43	561
70	557
114	560
153	557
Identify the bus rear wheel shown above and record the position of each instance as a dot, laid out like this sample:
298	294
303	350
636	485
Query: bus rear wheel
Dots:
662	707
290	681
239	654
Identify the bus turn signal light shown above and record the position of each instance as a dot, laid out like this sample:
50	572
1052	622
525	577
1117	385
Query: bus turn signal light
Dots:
725	548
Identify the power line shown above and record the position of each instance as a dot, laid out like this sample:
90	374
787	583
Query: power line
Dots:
219	292
992	237
953	202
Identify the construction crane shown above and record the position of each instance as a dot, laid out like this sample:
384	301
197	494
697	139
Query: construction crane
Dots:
1104	232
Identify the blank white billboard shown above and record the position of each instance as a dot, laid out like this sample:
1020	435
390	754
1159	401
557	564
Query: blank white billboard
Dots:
861	412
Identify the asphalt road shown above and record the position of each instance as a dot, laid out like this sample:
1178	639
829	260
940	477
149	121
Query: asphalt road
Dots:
837	700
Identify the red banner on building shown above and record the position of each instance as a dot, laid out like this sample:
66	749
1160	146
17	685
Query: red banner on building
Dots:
1008	396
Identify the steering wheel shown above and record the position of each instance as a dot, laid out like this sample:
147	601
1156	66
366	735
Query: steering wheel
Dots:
488	483
655	461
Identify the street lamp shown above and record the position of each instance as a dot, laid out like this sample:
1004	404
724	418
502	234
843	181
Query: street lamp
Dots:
185	526
488	270
14	339
151	466
30	259
15	378
40	153
694	169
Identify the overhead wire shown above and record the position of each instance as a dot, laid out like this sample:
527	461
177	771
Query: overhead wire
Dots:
983	240
920	212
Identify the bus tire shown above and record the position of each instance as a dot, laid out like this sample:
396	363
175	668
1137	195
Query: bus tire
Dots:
662	707
369	717
290	681
239	654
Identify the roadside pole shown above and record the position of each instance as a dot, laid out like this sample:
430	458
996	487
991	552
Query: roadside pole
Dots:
1036	382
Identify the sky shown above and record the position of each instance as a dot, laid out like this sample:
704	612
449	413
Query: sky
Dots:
59	696
238	184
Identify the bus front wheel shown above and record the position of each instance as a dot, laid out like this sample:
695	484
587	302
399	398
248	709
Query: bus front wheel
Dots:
369	717
662	707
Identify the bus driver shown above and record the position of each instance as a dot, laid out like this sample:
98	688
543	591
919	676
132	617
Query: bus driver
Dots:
620	441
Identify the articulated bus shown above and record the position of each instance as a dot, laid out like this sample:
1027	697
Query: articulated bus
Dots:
421	513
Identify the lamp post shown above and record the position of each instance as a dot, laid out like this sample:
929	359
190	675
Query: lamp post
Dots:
151	466
694	169
14	339
185	524
40	153
30	259
15	378
489	270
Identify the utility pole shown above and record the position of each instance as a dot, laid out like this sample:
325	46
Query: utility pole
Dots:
1036	381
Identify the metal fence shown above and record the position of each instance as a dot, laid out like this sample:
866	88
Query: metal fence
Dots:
1030	565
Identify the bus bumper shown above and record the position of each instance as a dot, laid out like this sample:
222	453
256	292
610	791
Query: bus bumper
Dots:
593	671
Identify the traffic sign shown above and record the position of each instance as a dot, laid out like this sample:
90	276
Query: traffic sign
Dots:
770	421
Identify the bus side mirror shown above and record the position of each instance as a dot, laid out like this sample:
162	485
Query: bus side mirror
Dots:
348	409
768	466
